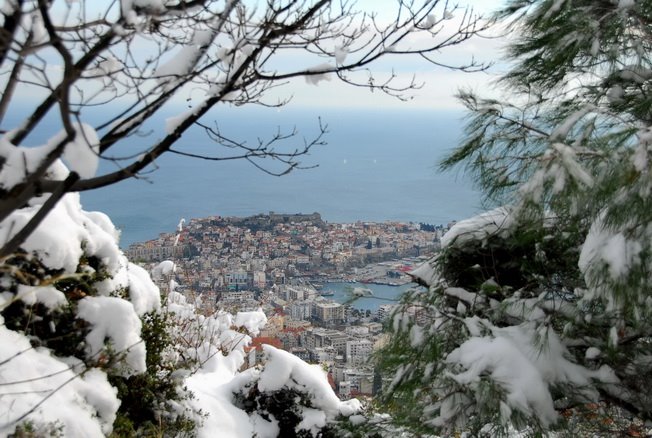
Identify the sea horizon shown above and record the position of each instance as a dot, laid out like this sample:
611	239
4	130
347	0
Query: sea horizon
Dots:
377	165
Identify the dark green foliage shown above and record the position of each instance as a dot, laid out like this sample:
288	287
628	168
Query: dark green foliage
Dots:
580	36
284	406
281	405
568	153
58	330
409	370
144	408
532	258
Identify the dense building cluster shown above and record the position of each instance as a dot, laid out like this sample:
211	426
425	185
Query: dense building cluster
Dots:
277	263
227	253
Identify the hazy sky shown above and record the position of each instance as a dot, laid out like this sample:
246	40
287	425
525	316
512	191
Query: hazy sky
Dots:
439	85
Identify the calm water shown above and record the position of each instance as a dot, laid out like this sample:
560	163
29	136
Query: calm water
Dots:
378	165
383	294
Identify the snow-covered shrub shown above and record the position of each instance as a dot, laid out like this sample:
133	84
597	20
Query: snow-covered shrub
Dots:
156	402
91	323
291	398
70	306
82	328
88	349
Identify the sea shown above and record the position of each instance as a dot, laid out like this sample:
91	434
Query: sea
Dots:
382	294
375	165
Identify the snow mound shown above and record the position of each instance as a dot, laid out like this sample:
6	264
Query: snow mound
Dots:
214	392
424	274
114	319
283	369
480	227
52	392
254	322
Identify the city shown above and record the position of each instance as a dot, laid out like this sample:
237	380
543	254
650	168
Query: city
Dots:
283	265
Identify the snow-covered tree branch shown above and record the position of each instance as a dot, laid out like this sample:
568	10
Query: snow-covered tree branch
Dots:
135	59
538	311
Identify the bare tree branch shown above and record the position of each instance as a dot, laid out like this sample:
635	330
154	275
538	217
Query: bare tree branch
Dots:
135	62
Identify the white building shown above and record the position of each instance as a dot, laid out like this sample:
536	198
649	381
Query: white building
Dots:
358	351
260	279
384	310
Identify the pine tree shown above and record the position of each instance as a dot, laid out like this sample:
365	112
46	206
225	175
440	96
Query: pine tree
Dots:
538	313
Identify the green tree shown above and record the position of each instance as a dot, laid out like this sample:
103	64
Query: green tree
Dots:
542	306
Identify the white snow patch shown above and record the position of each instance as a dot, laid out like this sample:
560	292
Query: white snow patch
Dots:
613	337
603	246
252	321
8	7
425	273
66	233
416	336
82	401
592	353
143	293
172	123
82	153
464	295
20	161
564	128
114	319
508	366
494	222
46	295
524	369
213	395
283	369
163	269
315	79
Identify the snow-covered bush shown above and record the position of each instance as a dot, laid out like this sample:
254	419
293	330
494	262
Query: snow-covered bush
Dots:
504	337
291	398
71	308
89	349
